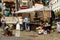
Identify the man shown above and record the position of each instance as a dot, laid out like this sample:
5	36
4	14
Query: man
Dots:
27	21
52	19
52	16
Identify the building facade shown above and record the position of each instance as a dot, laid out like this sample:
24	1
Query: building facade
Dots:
55	4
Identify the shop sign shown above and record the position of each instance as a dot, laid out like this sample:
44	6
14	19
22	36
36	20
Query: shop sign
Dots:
24	7
38	5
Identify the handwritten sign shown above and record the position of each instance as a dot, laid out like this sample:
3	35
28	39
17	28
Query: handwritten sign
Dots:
11	19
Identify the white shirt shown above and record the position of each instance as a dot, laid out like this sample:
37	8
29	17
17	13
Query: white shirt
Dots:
20	21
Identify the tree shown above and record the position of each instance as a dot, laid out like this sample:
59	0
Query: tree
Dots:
0	9
57	13
45	3
37	1
0	15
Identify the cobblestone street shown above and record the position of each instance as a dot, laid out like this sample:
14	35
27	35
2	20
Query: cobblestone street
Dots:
26	36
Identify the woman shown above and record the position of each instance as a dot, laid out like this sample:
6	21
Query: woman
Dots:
3	22
21	23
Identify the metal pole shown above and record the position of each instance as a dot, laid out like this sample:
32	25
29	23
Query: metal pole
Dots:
16	5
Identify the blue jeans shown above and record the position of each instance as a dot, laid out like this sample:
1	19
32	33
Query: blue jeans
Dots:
27	27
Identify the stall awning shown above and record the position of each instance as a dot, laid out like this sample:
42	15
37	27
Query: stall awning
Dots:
32	10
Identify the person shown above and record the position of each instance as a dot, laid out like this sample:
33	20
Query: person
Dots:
7	31
0	20
7	13
27	21
47	27
17	26
11	26
3	22
13	11
52	18
17	33
21	23
58	24
0	23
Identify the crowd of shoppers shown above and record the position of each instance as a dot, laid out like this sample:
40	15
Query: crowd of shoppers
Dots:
26	22
43	28
22	24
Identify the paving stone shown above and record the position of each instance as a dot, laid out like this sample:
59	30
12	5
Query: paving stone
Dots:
25	36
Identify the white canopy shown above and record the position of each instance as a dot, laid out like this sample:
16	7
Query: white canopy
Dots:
32	10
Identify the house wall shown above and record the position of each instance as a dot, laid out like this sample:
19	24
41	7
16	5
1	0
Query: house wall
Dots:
55	4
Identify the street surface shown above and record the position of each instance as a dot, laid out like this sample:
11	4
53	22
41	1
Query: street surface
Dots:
31	36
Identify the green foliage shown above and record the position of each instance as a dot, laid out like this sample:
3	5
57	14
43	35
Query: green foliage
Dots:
57	13
0	15
37	1
45	2
0	9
